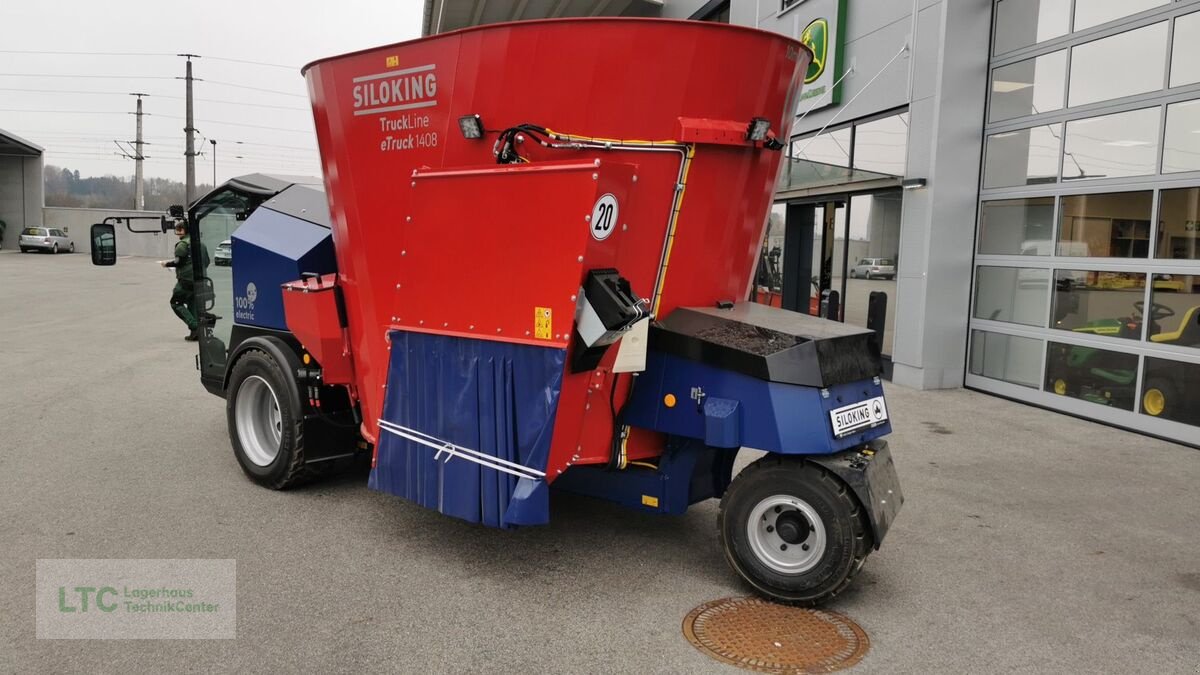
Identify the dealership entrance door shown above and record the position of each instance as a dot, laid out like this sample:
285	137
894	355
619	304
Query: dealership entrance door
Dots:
844	243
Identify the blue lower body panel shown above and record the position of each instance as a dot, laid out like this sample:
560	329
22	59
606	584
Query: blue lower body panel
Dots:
727	409
495	398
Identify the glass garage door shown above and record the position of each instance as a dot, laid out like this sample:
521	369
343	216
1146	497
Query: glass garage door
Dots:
1086	293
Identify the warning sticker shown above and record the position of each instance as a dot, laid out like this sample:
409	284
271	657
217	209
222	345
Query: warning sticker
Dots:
543	325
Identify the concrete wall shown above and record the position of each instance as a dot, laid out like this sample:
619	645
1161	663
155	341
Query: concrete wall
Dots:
949	87
876	70
79	221
21	195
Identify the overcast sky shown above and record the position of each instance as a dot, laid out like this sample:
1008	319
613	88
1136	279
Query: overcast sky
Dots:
255	130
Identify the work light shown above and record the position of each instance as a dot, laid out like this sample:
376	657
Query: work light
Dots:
757	131
471	126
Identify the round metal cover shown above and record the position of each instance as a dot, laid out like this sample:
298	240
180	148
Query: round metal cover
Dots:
754	634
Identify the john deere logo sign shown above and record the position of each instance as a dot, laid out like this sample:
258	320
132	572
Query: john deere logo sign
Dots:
816	38
819	25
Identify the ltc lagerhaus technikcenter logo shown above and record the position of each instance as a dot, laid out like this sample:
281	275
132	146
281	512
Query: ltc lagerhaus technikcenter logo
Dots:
136	599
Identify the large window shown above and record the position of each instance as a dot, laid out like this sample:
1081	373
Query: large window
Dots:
1029	87
1020	23
1099	302
881	146
1103	69
1185	54
1090	13
1006	357
1181	149
1112	225
1024	157
1017	226
1012	294
1179	224
1111	146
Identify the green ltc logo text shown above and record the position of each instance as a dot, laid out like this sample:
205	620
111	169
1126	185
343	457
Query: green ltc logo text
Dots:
816	38
84	592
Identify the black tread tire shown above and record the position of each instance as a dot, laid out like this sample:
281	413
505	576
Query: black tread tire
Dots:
54	249
848	534
288	470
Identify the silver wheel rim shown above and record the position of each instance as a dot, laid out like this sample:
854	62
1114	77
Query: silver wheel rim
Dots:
770	547
258	420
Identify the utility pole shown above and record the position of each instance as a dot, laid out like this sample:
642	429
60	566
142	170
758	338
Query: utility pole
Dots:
139	194
190	131
214	144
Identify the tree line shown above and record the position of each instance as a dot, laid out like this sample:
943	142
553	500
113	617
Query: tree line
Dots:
65	187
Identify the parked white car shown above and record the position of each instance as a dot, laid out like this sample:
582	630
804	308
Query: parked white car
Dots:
874	268
49	239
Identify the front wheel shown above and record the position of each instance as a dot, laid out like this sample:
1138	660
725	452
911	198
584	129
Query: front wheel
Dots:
792	530
266	424
1159	399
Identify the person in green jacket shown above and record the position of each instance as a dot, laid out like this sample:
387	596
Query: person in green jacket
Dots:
184	291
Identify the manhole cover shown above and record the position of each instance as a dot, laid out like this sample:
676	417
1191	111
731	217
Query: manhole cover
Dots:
754	634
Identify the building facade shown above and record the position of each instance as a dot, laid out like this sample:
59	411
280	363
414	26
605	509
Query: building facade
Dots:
1008	190
21	189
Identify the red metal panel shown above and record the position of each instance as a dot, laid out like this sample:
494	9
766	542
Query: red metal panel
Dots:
497	252
384	113
310	307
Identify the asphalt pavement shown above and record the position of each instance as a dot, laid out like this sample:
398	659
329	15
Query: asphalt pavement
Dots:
1029	541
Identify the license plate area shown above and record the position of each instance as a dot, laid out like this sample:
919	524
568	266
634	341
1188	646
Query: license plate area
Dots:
855	417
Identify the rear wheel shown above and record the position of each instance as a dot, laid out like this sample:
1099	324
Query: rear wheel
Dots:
1159	399
266	424
792	530
54	249
71	248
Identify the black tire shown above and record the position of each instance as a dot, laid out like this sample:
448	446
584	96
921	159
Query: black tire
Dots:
54	249
71	248
287	469
24	250
847	536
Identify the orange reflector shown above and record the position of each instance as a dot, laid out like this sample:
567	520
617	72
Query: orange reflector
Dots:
307	359
669	400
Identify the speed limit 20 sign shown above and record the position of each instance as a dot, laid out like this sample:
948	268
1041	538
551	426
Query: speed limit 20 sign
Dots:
604	217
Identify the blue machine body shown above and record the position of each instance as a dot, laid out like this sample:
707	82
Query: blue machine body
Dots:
270	249
727	409
497	399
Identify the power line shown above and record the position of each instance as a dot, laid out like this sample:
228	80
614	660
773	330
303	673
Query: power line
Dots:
243	86
58	53
213	58
170	117
253	63
178	98
98	77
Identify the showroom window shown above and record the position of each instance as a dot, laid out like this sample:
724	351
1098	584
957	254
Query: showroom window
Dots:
1102	69
1086	290
1022	157
1111	146
1020	23
1185	54
1029	87
1108	225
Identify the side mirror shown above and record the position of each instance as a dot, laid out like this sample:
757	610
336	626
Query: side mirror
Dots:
104	244
175	211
